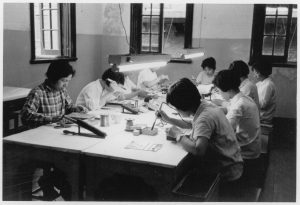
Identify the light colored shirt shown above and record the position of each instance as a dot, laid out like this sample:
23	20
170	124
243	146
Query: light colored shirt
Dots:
248	88
210	122
144	76
267	100
93	96
128	85
243	115
203	78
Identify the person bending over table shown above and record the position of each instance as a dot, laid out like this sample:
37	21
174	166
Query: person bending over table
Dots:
241	69
212	138
206	76
50	101
148	79
242	114
97	93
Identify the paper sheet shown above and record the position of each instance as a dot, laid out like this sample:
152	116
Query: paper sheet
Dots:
146	146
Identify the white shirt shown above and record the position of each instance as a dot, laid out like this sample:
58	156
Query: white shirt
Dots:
203	78
210	122
267	100
249	89
128	85
144	76
93	96
243	115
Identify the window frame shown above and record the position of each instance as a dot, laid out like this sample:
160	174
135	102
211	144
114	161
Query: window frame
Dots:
72	57
136	28
258	35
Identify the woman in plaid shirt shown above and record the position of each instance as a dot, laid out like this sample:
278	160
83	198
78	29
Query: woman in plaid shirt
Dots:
48	102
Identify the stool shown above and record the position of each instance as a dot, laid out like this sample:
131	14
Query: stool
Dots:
197	186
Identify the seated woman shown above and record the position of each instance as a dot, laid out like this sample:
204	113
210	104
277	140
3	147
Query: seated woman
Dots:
148	79
50	101
241	69
206	76
95	94
212	140
242	113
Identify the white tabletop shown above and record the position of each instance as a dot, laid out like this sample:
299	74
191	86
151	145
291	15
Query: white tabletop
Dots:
48	136
12	93
170	154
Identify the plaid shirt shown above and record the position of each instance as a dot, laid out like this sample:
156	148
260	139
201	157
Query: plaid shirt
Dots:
43	103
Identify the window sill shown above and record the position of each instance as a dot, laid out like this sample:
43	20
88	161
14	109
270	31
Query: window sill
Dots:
49	60
180	60
285	65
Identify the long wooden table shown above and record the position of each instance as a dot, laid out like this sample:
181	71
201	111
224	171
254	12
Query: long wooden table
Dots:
159	169
87	161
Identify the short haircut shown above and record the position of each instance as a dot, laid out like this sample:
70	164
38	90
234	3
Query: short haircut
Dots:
184	95
115	76
226	80
59	69
209	62
240	68
263	67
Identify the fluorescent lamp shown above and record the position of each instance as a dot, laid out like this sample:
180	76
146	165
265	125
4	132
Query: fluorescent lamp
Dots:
138	66
140	61
193	53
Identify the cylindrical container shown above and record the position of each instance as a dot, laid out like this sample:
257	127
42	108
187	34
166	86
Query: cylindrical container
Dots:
104	120
129	124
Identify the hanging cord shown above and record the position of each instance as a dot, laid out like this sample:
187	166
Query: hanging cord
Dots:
120	9
176	113
168	32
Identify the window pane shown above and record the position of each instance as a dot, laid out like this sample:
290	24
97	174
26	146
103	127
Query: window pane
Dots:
145	42
146	9
54	6
155	24
271	10
47	40
46	20
174	29
267	45
55	40
155	9
281	25
282	10
279	46
269	25
154	43
146	24
54	19
292	52
45	6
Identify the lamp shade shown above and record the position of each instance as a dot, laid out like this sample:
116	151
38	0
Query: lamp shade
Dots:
140	61
193	53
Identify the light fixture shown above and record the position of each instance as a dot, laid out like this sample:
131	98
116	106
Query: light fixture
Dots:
193	53
140	61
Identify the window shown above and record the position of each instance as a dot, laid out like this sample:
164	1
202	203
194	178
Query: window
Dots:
161	28
274	33
53	32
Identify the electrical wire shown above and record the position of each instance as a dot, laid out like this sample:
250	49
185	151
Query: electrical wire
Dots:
176	113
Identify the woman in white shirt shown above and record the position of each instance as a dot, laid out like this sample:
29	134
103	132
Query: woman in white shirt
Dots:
242	114
95	94
206	76
148	79
248	88
266	91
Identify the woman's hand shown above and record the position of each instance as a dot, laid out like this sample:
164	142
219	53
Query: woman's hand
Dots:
81	109
162	115
173	132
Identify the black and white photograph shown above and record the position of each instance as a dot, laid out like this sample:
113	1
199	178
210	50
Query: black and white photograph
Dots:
149	101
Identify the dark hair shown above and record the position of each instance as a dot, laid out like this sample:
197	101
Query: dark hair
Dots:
59	69
209	62
263	67
240	68
184	95
226	80
116	76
